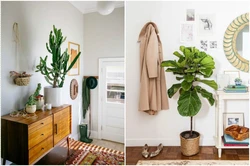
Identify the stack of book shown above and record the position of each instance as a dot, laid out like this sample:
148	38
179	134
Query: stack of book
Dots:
229	141
235	89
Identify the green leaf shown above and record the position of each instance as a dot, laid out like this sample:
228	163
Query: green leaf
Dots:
182	48
179	78
208	62
189	78
169	63
74	61
210	83
206	72
189	103
176	53
46	78
182	64
192	70
205	94
173	90
177	70
186	85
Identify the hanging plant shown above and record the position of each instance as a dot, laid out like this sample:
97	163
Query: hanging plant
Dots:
20	79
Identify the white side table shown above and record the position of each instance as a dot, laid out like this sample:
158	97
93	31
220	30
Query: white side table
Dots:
221	96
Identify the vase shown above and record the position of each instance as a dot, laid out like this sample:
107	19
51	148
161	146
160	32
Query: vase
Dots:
238	83
39	103
30	109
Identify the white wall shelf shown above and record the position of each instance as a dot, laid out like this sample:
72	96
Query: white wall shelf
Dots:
221	97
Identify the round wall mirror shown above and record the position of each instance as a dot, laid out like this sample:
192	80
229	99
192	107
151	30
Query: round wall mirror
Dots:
236	42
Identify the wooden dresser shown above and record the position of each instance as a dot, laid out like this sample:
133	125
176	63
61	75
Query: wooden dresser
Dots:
25	140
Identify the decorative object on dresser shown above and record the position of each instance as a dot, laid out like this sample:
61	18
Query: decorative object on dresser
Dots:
236	89
25	140
55	75
222	98
191	66
20	79
73	89
237	132
31	103
235	55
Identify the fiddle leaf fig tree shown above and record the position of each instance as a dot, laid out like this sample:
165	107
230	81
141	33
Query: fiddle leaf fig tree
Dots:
191	67
55	74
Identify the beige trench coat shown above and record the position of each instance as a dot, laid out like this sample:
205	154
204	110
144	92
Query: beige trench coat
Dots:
153	90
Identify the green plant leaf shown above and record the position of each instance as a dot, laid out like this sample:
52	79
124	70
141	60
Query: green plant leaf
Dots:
173	90
206	72
182	48
176	53
205	94
179	78
186	85
189	78
46	78
169	63
208	62
74	61
177	70
210	83
191	70
189	103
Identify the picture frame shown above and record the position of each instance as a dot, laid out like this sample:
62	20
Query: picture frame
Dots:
206	24
236	118
232	75
222	81
190	14
186	32
73	50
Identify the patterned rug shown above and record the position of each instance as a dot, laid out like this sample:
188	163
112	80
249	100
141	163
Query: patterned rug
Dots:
193	162
103	156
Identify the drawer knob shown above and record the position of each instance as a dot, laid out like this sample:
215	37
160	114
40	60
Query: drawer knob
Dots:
42	148
42	134
42	123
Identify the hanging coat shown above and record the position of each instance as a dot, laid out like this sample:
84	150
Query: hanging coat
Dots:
153	90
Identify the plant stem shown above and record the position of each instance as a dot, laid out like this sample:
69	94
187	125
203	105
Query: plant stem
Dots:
191	126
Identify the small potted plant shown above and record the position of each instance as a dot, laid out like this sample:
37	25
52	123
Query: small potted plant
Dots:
192	67
31	103
238	81
20	79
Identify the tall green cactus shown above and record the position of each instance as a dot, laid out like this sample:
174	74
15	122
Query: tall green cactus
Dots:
56	74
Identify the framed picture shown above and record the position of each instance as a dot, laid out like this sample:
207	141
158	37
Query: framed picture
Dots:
232	75
190	15
233	119
222	81
187	32
206	24
213	44
73	50
204	45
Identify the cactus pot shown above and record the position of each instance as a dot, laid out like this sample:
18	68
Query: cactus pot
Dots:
30	109
53	96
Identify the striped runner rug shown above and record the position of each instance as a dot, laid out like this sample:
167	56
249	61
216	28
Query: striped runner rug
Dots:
193	162
104	156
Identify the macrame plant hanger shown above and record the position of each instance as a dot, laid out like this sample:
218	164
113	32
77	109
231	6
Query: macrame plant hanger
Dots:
17	44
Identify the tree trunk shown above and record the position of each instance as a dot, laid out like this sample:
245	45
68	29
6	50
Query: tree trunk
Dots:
54	82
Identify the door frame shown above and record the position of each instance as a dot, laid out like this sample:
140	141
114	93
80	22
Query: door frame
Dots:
100	109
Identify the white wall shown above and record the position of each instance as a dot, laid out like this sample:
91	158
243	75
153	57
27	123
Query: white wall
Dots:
103	38
165	127
35	20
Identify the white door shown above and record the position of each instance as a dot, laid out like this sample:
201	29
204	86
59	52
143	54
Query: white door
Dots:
111	96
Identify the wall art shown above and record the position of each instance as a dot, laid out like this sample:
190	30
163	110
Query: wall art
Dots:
206	24
73	50
233	119
213	44
187	32
204	45
190	15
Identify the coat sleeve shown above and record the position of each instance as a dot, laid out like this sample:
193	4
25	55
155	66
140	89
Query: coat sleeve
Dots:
152	54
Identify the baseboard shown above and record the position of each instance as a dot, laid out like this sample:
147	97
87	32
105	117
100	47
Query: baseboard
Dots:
165	142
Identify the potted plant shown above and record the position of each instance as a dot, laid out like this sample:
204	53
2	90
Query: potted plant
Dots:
238	81
31	103
55	75
191	68
20	79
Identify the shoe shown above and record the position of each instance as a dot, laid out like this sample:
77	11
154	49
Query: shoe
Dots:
145	152
83	133
159	149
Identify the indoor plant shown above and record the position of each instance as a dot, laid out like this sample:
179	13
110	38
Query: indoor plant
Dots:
55	75
21	79
191	68
31	103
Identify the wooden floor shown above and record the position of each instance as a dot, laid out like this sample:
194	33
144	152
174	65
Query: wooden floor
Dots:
133	154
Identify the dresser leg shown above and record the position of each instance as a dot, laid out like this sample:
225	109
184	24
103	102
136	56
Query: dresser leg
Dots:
4	161
68	144
219	153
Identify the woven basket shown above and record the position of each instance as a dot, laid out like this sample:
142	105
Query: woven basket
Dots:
190	147
23	81
237	132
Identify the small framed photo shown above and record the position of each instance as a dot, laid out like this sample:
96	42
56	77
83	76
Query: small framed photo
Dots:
233	119
222	81
73	50
190	15
187	32
232	75
206	24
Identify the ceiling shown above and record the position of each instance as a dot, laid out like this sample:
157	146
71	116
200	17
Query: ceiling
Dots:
90	6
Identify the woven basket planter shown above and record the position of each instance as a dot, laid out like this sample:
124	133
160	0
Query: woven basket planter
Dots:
23	81
190	146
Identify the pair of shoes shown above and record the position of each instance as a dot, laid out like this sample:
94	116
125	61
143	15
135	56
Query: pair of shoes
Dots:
145	152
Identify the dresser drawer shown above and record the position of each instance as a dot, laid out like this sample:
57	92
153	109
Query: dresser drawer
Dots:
39	124
40	149
39	135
